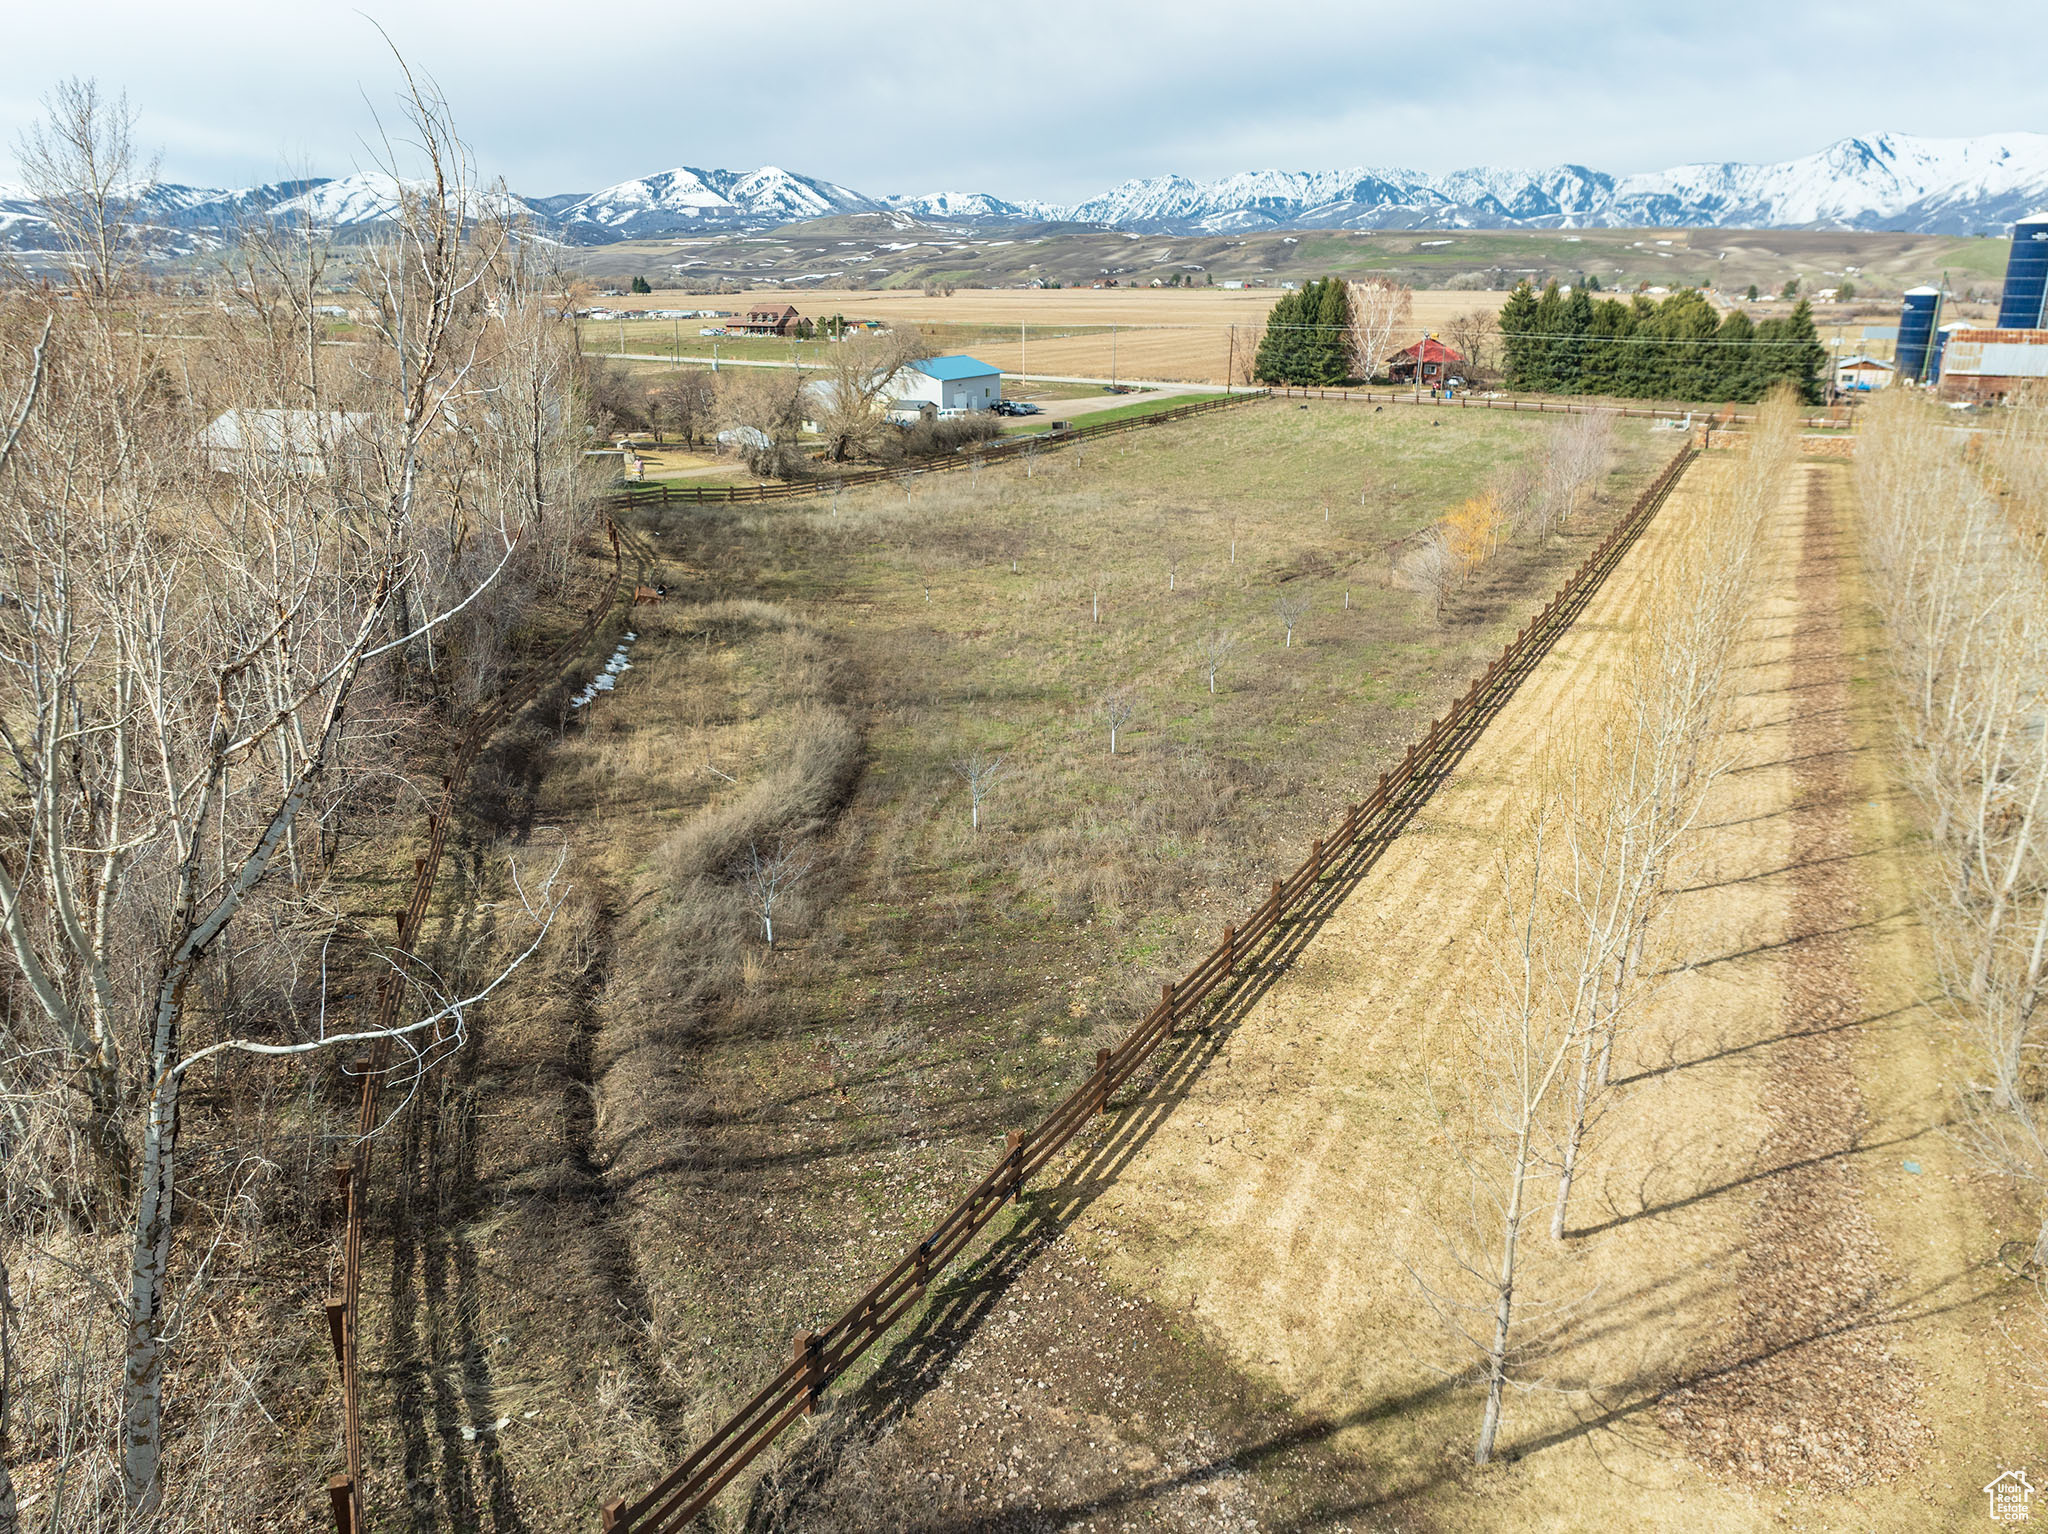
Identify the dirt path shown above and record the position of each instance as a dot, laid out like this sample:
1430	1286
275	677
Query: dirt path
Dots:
1812	1394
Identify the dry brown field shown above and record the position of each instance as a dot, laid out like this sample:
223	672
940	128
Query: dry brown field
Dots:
1175	335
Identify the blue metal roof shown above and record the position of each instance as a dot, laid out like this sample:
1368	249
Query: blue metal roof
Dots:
952	369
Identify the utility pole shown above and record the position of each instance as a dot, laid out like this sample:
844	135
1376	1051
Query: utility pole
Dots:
1230	367
1112	356
676	345
1022	328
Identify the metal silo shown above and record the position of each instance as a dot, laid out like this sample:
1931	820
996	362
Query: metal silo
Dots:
1941	348
1916	332
2024	304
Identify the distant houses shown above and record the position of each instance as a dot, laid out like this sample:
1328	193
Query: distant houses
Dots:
764	320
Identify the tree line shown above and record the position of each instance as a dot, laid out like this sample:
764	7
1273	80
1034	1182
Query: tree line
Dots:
1559	342
252	587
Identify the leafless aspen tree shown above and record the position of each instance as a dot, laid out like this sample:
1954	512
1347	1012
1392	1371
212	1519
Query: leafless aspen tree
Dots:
1433	568
979	773
210	622
1965	605
1380	309
1215	648
1289	609
1498	1108
1116	710
769	883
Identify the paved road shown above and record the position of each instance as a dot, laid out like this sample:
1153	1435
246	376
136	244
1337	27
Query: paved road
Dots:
1149	386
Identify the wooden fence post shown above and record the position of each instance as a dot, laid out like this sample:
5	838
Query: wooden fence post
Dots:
341	1497
921	1267
1315	860
613	1517
812	1378
1102	1079
1013	1155
1278	906
1166	1005
337	1324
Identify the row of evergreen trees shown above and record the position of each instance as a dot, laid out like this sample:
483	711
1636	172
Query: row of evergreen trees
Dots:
1566	343
1306	336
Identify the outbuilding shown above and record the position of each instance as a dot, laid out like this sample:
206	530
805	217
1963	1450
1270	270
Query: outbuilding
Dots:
1862	375
950	383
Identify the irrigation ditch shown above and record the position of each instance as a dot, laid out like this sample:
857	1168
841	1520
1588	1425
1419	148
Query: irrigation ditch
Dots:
1167	1042
343	1307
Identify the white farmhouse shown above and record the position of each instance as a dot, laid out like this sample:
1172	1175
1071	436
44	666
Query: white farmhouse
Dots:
950	383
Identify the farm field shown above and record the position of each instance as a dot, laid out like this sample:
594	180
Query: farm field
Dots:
687	1146
891	254
1782	1313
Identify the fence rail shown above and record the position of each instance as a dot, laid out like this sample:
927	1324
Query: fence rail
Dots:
1699	414
818	1358
344	1302
1000	451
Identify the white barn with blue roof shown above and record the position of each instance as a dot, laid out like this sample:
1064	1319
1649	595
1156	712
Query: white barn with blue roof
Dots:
951	383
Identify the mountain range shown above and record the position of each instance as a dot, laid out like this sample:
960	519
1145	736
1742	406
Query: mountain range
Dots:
1889	181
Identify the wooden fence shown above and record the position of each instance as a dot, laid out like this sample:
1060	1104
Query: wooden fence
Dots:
1698	414
818	1358
999	451
344	1301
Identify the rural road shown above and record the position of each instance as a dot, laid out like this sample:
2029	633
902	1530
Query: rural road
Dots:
1147	386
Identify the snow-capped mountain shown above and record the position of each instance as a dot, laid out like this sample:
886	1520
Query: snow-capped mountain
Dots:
686	198
1890	181
970	206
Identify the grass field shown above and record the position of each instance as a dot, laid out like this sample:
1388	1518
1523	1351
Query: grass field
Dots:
746	1135
1778	1308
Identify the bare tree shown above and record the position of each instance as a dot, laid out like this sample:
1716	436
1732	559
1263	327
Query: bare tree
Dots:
1173	551
1290	610
860	375
1965	606
1380	310
769	883
1433	568
1475	337
1215	648
1497	1107
209	624
686	403
979	773
1116	709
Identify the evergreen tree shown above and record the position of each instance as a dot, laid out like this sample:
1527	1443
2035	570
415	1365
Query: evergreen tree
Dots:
640	285
1592	283
1734	375
1517	320
1575	322
1329	301
1278	347
1606	354
1544	352
1802	361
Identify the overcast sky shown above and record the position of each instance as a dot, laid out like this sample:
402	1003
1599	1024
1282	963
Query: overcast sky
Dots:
1047	99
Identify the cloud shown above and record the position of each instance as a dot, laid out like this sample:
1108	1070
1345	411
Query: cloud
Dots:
1053	100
